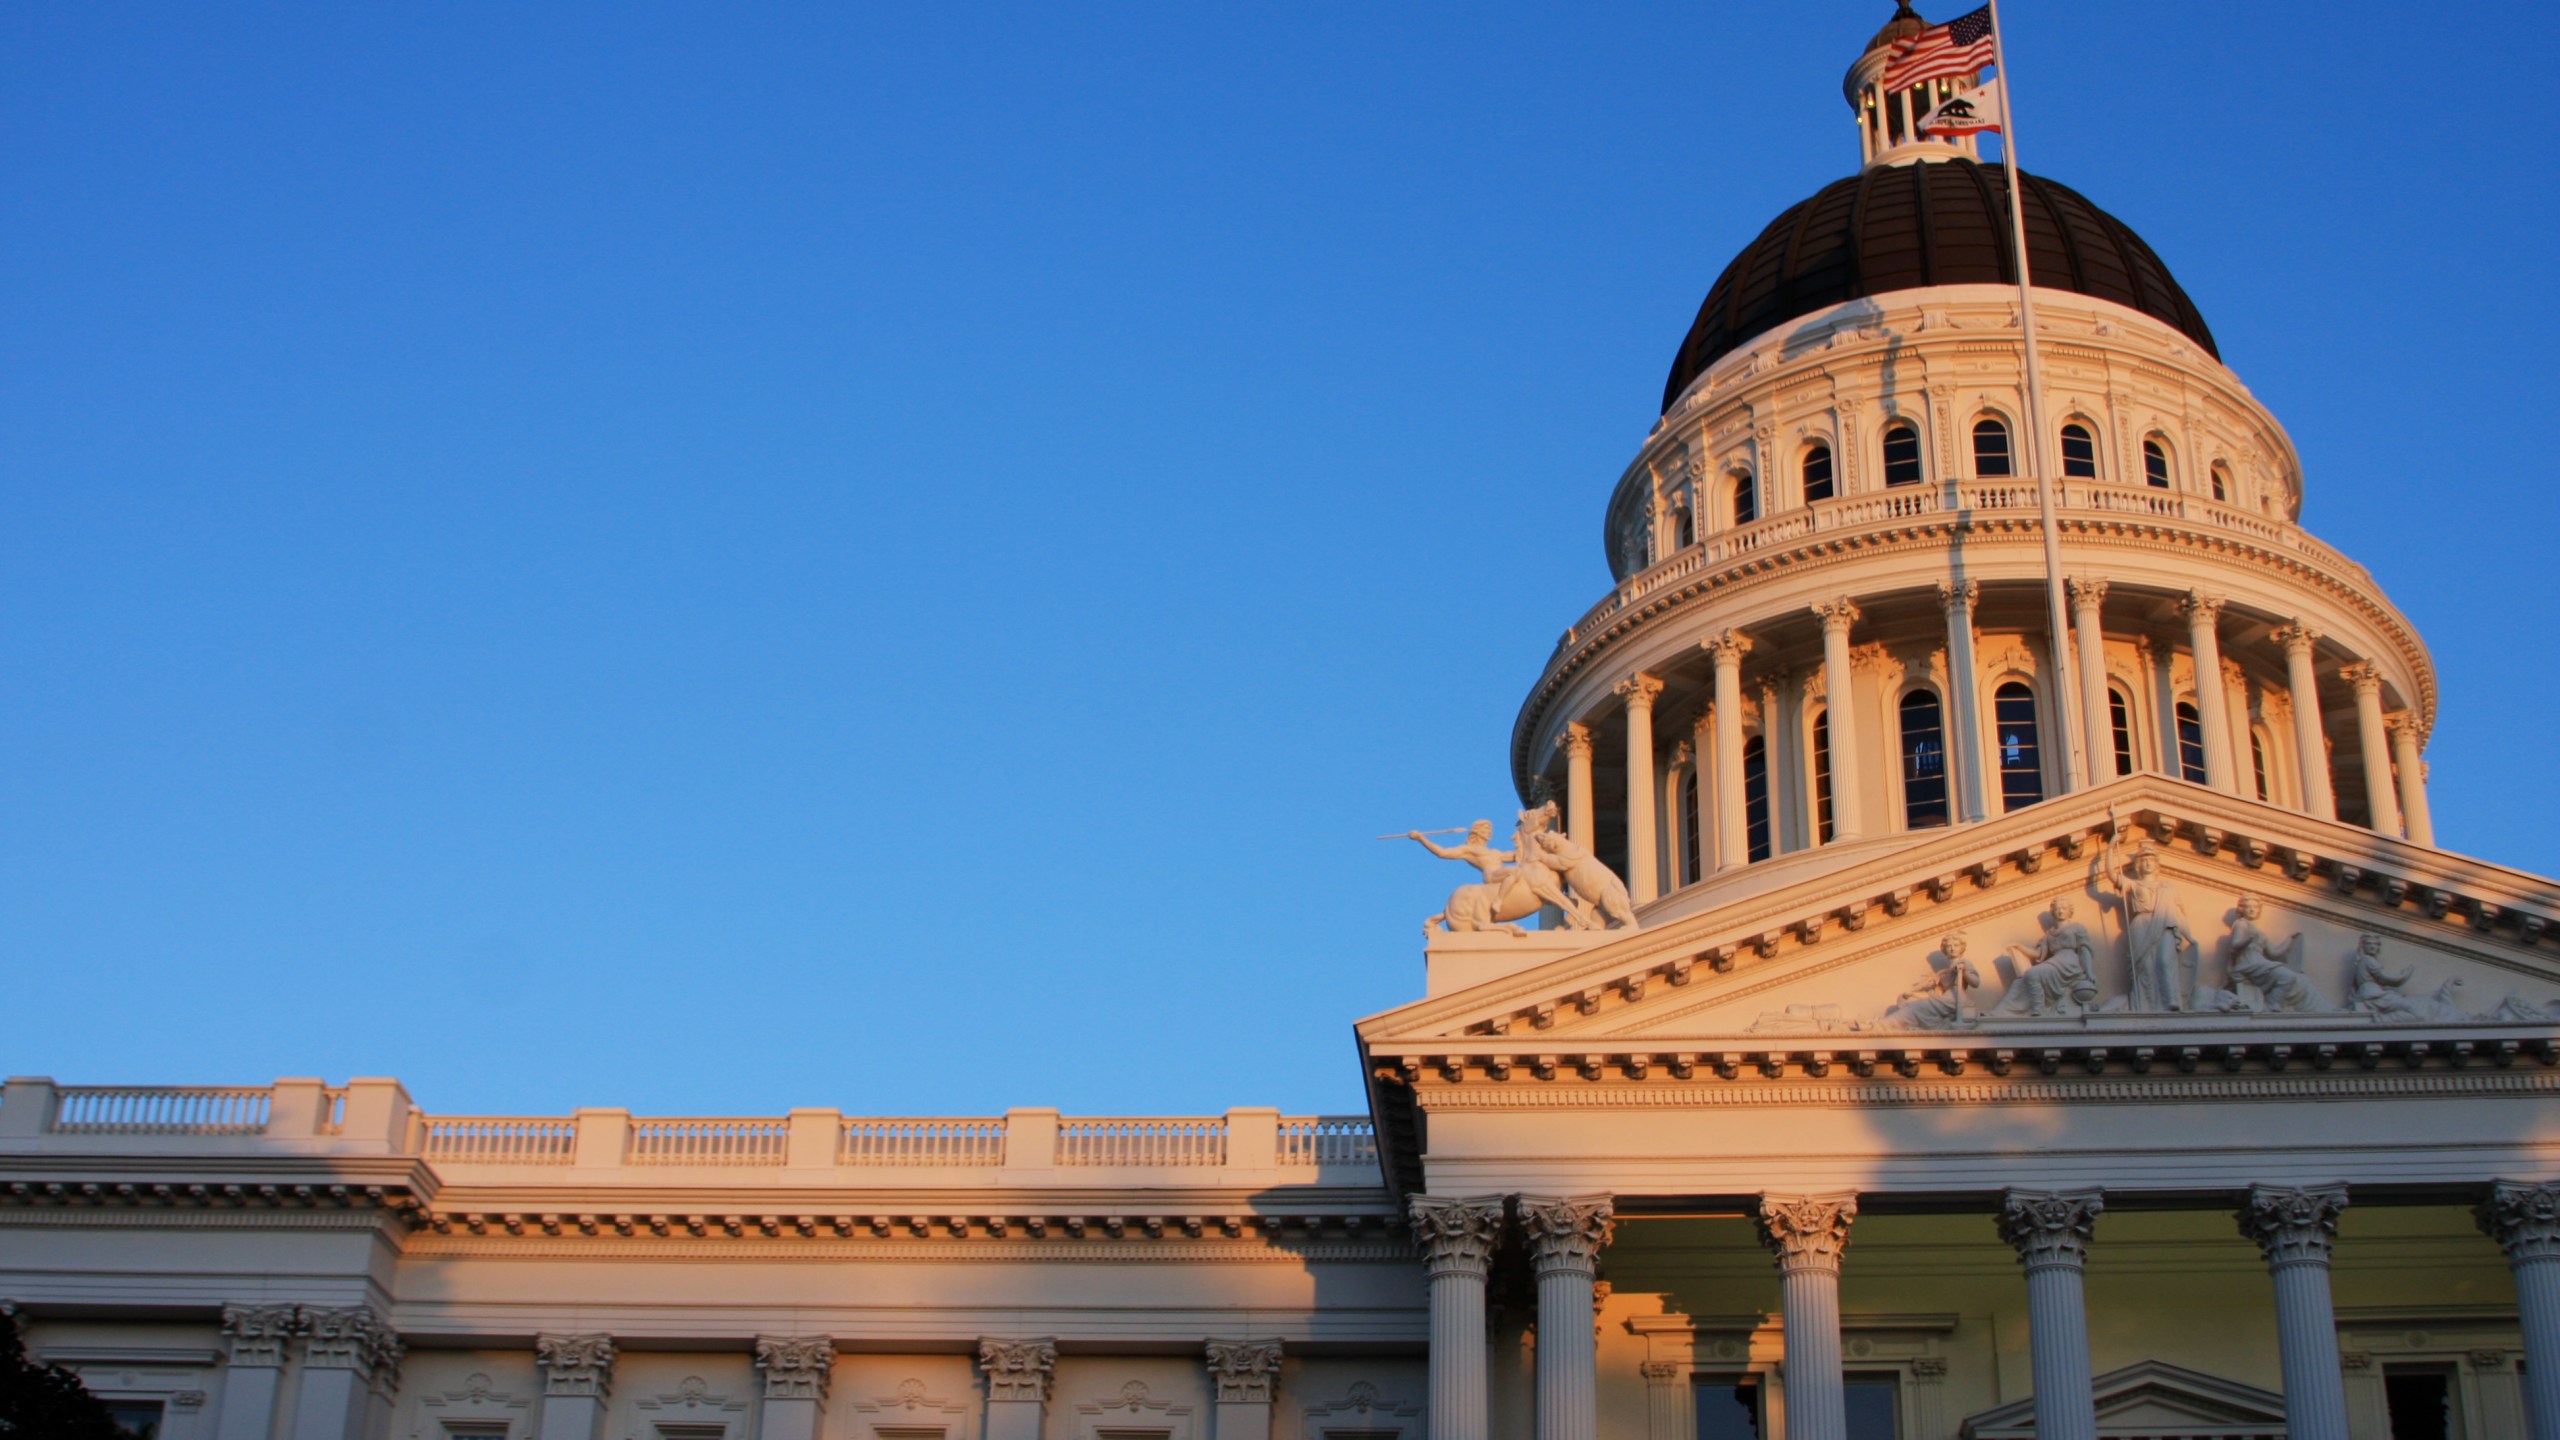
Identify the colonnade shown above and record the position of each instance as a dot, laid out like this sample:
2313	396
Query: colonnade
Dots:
2295	1228
2388	744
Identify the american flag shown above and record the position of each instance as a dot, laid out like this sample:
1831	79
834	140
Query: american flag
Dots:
1954	50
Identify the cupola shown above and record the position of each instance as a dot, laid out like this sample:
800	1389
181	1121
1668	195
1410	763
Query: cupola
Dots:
1889	121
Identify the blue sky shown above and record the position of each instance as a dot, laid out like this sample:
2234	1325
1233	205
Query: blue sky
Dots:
721	558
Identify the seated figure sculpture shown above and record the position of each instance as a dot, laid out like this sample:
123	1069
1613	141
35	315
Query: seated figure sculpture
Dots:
2266	974
1939	1004
2055	976
2377	989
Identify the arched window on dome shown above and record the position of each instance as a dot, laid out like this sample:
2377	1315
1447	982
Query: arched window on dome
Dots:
1822	776
2155	463
2120	724
1684	527
2221	481
2190	742
2079	453
1818	484
1688	822
1923	747
1901	454
1755	799
2013	714
1746	498
1991	448
2258	761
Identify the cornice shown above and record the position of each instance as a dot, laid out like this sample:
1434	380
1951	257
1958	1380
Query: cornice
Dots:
1384	1250
88	1183
1875	1078
722	1218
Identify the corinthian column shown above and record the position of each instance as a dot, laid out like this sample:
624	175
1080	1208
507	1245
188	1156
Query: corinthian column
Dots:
1726	651
1848	757
2051	1235
2413	780
254	1339
1639	691
577	1375
2294	1228
1565	1236
1575	742
1964	690
2308	738
1018	1374
2525	1221
1806	1234
1245	1372
2375	745
2213	707
2086	596
1702	752
1457	1239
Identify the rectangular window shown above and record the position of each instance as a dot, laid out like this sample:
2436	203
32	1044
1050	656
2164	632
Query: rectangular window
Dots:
139	1419
2422	1402
1822	776
1875	1408
1729	1408
2258	761
1688	822
2120	720
1755	800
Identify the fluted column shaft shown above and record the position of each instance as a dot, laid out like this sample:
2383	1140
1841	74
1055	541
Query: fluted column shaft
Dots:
2087	595
1702	750
1565	1238
2051	1235
1806	1235
2213	708
1639	692
1964	715
2304	682
1575	742
1848	755
1457	1237
2413	781
2295	1228
2525	1221
2375	743
1726	651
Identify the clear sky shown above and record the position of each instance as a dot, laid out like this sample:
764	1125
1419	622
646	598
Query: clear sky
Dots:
714	558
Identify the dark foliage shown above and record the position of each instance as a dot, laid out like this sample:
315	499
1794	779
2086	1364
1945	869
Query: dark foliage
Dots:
45	1402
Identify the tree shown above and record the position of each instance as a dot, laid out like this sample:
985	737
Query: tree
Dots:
45	1402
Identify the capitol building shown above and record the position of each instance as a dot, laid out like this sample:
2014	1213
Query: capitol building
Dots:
1922	992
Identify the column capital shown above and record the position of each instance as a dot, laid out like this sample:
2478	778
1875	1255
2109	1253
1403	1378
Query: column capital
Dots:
1954	597
1727	648
1245	1371
796	1367
2403	723
575	1364
1575	740
2201	608
257	1334
1638	690
1567	1232
1663	1372
1681	753
2523	1218
2087	591
2364	675
2048	1228
348	1337
2296	637
1837	614
1457	1236
1807	1231
2293	1224
1018	1369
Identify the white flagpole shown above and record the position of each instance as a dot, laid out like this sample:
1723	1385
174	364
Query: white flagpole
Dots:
2066	687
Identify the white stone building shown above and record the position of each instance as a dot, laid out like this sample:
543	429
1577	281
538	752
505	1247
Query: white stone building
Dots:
2203	1097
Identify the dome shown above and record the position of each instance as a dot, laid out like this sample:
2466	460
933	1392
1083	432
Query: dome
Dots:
1937	222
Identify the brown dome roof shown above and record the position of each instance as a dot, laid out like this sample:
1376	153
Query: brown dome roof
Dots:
1906	22
1937	222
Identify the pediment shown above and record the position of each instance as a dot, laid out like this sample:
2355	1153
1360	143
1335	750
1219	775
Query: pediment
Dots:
2153	1398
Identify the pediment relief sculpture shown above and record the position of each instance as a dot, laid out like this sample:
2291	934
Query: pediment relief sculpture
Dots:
1543	867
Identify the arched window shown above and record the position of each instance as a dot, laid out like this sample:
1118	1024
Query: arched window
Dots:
2120	720
1687	820
1687	528
1817	473
2155	464
1755	799
1746	498
2221	481
1924	761
2258	760
2079	453
2190	742
1901	454
1990	448
1822	776
2013	714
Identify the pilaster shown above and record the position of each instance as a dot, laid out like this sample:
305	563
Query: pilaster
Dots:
1018	1374
1246	1376
797	1370
577	1378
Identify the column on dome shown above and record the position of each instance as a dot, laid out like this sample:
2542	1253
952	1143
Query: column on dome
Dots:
345	1349
2413	780
2317	798
1246	1374
2087	595
2525	1221
2374	743
254	1338
1640	691
2295	1228
1457	1237
1575	742
2051	1235
577	1378
1565	1238
2213	707
1806	1235
1702	751
1964	717
1018	1374
1726	651
1675	836
1848	790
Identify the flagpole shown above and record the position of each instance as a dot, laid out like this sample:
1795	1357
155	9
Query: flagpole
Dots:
2065	688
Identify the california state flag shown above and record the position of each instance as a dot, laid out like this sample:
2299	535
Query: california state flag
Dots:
1967	112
